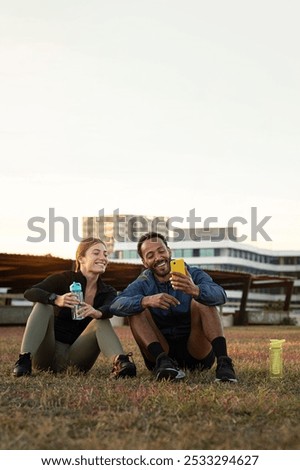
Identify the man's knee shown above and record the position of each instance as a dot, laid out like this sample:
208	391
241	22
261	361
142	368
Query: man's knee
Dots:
141	321
199	308
140	316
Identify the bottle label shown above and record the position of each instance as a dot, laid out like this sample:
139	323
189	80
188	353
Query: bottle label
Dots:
276	363
75	288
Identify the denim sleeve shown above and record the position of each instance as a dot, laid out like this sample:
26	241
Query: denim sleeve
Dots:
211	293
129	302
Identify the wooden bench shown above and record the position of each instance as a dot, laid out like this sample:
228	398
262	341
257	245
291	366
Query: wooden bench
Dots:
13	314
18	314
7	298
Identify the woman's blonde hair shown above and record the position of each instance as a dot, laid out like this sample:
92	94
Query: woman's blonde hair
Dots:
83	246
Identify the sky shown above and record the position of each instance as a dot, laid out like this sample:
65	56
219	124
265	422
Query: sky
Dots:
148	107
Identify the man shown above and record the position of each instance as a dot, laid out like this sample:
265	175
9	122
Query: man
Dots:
173	317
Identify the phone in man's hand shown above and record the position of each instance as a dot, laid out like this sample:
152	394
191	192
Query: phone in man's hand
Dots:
177	266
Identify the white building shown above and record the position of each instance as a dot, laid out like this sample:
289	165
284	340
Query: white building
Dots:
214	250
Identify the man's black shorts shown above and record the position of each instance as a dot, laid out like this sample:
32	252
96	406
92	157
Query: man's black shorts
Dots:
178	351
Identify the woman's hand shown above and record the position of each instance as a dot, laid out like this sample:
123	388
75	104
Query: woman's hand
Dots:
67	300
87	310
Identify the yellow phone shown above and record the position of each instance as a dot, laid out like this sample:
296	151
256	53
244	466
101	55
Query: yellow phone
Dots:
177	266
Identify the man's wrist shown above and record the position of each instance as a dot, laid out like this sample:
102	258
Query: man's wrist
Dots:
144	302
196	295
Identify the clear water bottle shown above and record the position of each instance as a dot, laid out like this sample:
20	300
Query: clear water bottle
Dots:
276	361
76	289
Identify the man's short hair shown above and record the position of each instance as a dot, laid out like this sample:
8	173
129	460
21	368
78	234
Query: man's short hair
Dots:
149	236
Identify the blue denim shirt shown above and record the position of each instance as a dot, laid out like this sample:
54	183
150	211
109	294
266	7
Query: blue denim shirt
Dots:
174	321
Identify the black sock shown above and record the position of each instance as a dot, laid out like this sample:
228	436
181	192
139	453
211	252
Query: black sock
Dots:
219	346
155	349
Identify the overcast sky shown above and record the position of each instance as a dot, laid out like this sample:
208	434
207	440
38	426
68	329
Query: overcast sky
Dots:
150	107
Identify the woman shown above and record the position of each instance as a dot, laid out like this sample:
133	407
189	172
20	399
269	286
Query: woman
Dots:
52	340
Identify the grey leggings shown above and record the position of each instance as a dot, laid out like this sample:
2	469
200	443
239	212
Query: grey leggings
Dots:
47	353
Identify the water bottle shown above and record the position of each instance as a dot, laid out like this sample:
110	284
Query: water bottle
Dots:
276	362
75	288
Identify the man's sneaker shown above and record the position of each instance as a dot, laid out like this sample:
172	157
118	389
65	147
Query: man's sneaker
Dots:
123	366
225	371
167	369
23	365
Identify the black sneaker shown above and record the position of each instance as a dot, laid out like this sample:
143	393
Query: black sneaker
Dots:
23	365
167	369
225	371
123	366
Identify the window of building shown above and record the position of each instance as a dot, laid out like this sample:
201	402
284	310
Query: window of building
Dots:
129	254
206	252
187	253
177	253
117	255
132	254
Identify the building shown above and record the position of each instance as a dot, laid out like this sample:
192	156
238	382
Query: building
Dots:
122	228
213	249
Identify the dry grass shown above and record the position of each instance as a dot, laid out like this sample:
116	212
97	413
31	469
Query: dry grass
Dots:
72	411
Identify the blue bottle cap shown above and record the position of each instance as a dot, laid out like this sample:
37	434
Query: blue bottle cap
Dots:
75	287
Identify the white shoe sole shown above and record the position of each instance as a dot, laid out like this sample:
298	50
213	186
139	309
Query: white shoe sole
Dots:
170	374
226	380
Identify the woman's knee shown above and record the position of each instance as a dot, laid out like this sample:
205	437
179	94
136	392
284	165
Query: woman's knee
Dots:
43	309
100	325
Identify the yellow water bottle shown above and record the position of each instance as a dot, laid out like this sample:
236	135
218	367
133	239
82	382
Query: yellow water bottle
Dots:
276	362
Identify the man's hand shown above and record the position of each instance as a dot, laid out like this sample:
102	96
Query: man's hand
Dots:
184	283
163	301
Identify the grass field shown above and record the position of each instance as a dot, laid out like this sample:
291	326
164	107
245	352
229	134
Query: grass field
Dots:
74	411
